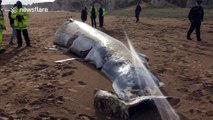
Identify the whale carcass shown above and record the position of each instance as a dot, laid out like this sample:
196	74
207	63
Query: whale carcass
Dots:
116	61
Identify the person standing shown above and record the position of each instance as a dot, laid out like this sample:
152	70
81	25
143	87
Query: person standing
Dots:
137	12
2	27
21	16
84	14
93	15
13	35
102	13
195	16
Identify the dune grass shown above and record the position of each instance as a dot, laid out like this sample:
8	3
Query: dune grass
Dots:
180	13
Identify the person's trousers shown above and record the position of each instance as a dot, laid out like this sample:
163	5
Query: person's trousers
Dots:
93	20
101	21
194	25
137	18
26	37
1	38
13	35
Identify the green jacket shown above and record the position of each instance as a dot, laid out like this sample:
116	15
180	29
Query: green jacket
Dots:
2	24
96	12
104	11
20	25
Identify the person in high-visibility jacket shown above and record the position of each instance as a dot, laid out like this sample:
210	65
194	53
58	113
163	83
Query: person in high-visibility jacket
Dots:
2	27
93	15
102	13
20	15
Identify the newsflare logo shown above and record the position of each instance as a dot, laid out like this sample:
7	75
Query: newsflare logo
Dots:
35	9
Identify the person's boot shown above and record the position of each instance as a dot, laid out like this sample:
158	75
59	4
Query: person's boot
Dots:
189	38
199	39
29	46
19	46
2	50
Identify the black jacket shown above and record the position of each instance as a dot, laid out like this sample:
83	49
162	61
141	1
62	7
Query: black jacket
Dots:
9	16
84	15
196	14
138	10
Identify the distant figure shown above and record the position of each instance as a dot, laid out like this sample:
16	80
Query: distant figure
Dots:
101	13
2	27
137	12
93	15
84	14
195	16
13	35
21	16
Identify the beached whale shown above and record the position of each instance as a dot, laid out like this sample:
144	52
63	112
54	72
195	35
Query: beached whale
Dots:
106	53
129	72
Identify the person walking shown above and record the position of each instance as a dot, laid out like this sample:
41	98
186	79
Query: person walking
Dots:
2	27
93	15
21	16
137	12
195	16
102	13
84	14
13	35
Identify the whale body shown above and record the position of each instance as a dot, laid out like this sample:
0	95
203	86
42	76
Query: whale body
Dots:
106	53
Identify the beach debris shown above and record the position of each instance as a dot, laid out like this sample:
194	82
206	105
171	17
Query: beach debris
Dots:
65	60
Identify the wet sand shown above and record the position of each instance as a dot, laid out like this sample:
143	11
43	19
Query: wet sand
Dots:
33	86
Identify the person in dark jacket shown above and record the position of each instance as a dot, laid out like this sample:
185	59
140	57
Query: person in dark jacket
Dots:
195	16
84	14
93	15
13	35
137	12
101	13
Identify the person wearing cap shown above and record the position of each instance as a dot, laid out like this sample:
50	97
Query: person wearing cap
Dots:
21	15
102	13
195	16
93	15
13	35
2	27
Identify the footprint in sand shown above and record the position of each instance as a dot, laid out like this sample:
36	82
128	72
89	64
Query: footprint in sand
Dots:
84	117
48	116
48	88
209	113
7	88
49	100
69	73
22	112
82	83
22	100
4	115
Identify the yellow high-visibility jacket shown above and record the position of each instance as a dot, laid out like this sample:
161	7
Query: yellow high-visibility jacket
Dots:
96	12
20	25
104	11
2	24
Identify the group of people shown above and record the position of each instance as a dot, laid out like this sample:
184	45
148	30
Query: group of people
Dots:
195	16
94	13
18	17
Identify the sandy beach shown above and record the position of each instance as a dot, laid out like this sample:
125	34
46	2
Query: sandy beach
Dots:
34	86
